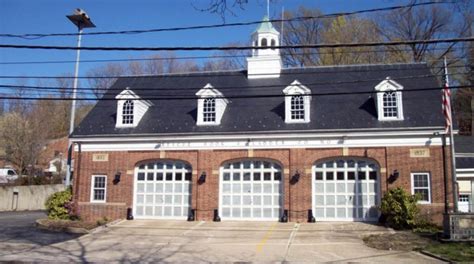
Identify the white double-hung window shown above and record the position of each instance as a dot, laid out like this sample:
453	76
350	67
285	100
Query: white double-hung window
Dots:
389	100
210	106
297	103
98	188
421	185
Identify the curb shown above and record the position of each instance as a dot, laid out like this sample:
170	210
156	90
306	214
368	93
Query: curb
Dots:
70	230
103	227
429	254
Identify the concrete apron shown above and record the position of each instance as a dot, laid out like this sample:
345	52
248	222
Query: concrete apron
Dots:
180	241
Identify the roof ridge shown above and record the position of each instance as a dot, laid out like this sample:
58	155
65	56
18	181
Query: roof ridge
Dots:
355	65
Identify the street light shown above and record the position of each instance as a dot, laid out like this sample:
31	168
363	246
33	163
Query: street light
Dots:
81	20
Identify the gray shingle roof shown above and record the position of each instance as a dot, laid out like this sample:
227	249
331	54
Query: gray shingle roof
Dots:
335	112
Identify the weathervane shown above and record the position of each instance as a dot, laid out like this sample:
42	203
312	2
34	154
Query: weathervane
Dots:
268	8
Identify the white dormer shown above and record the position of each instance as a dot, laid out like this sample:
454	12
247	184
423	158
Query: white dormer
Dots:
265	63
130	108
389	100
297	103
211	106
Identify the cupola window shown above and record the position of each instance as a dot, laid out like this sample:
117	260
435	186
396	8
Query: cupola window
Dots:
264	42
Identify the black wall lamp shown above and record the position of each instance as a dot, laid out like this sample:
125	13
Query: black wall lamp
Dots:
202	178
295	178
117	177
394	176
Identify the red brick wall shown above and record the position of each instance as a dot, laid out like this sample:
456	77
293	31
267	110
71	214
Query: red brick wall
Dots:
297	197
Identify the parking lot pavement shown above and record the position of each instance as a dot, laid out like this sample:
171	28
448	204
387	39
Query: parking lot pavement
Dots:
18	233
180	241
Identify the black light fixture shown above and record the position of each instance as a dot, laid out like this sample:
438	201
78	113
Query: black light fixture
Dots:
117	177
393	177
295	178
202	178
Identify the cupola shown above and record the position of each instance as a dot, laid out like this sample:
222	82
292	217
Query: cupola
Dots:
265	61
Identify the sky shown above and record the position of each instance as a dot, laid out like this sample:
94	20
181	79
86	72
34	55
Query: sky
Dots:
49	16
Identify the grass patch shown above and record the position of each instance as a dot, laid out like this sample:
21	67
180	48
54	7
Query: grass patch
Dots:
402	240
455	251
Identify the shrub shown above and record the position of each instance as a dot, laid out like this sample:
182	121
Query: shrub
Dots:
58	205
400	209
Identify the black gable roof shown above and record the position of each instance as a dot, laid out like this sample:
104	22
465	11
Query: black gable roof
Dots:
334	112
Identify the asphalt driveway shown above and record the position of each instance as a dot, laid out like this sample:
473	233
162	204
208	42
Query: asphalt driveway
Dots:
18	233
179	241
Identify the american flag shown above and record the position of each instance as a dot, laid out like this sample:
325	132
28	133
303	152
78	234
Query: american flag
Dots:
447	104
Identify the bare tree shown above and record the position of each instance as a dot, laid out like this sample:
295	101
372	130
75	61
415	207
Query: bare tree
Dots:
420	23
99	77
227	59
22	140
301	32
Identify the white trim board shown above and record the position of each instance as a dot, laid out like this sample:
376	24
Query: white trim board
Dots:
270	143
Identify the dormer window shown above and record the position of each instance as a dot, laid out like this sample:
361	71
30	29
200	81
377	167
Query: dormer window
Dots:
130	108
297	107
389	100
297	103
209	110
211	106
127	112
390	105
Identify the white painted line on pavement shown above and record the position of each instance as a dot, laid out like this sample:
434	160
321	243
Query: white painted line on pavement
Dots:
193	228
290	240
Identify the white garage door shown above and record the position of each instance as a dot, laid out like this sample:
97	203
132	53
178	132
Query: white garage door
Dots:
162	190
250	190
345	190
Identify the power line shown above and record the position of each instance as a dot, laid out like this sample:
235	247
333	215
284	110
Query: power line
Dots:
317	69
306	46
230	97
210	56
219	88
140	31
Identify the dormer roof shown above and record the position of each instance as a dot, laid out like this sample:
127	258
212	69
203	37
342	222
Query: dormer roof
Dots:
128	94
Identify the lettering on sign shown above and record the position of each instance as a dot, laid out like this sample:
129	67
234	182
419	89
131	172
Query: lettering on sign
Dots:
100	157
419	153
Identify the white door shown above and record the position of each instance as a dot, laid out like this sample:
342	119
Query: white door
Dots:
345	190
463	203
162	190
250	190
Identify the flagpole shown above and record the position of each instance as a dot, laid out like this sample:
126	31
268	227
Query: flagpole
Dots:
451	141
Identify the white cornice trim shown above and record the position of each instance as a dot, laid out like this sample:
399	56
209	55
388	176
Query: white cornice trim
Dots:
275	134
258	142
